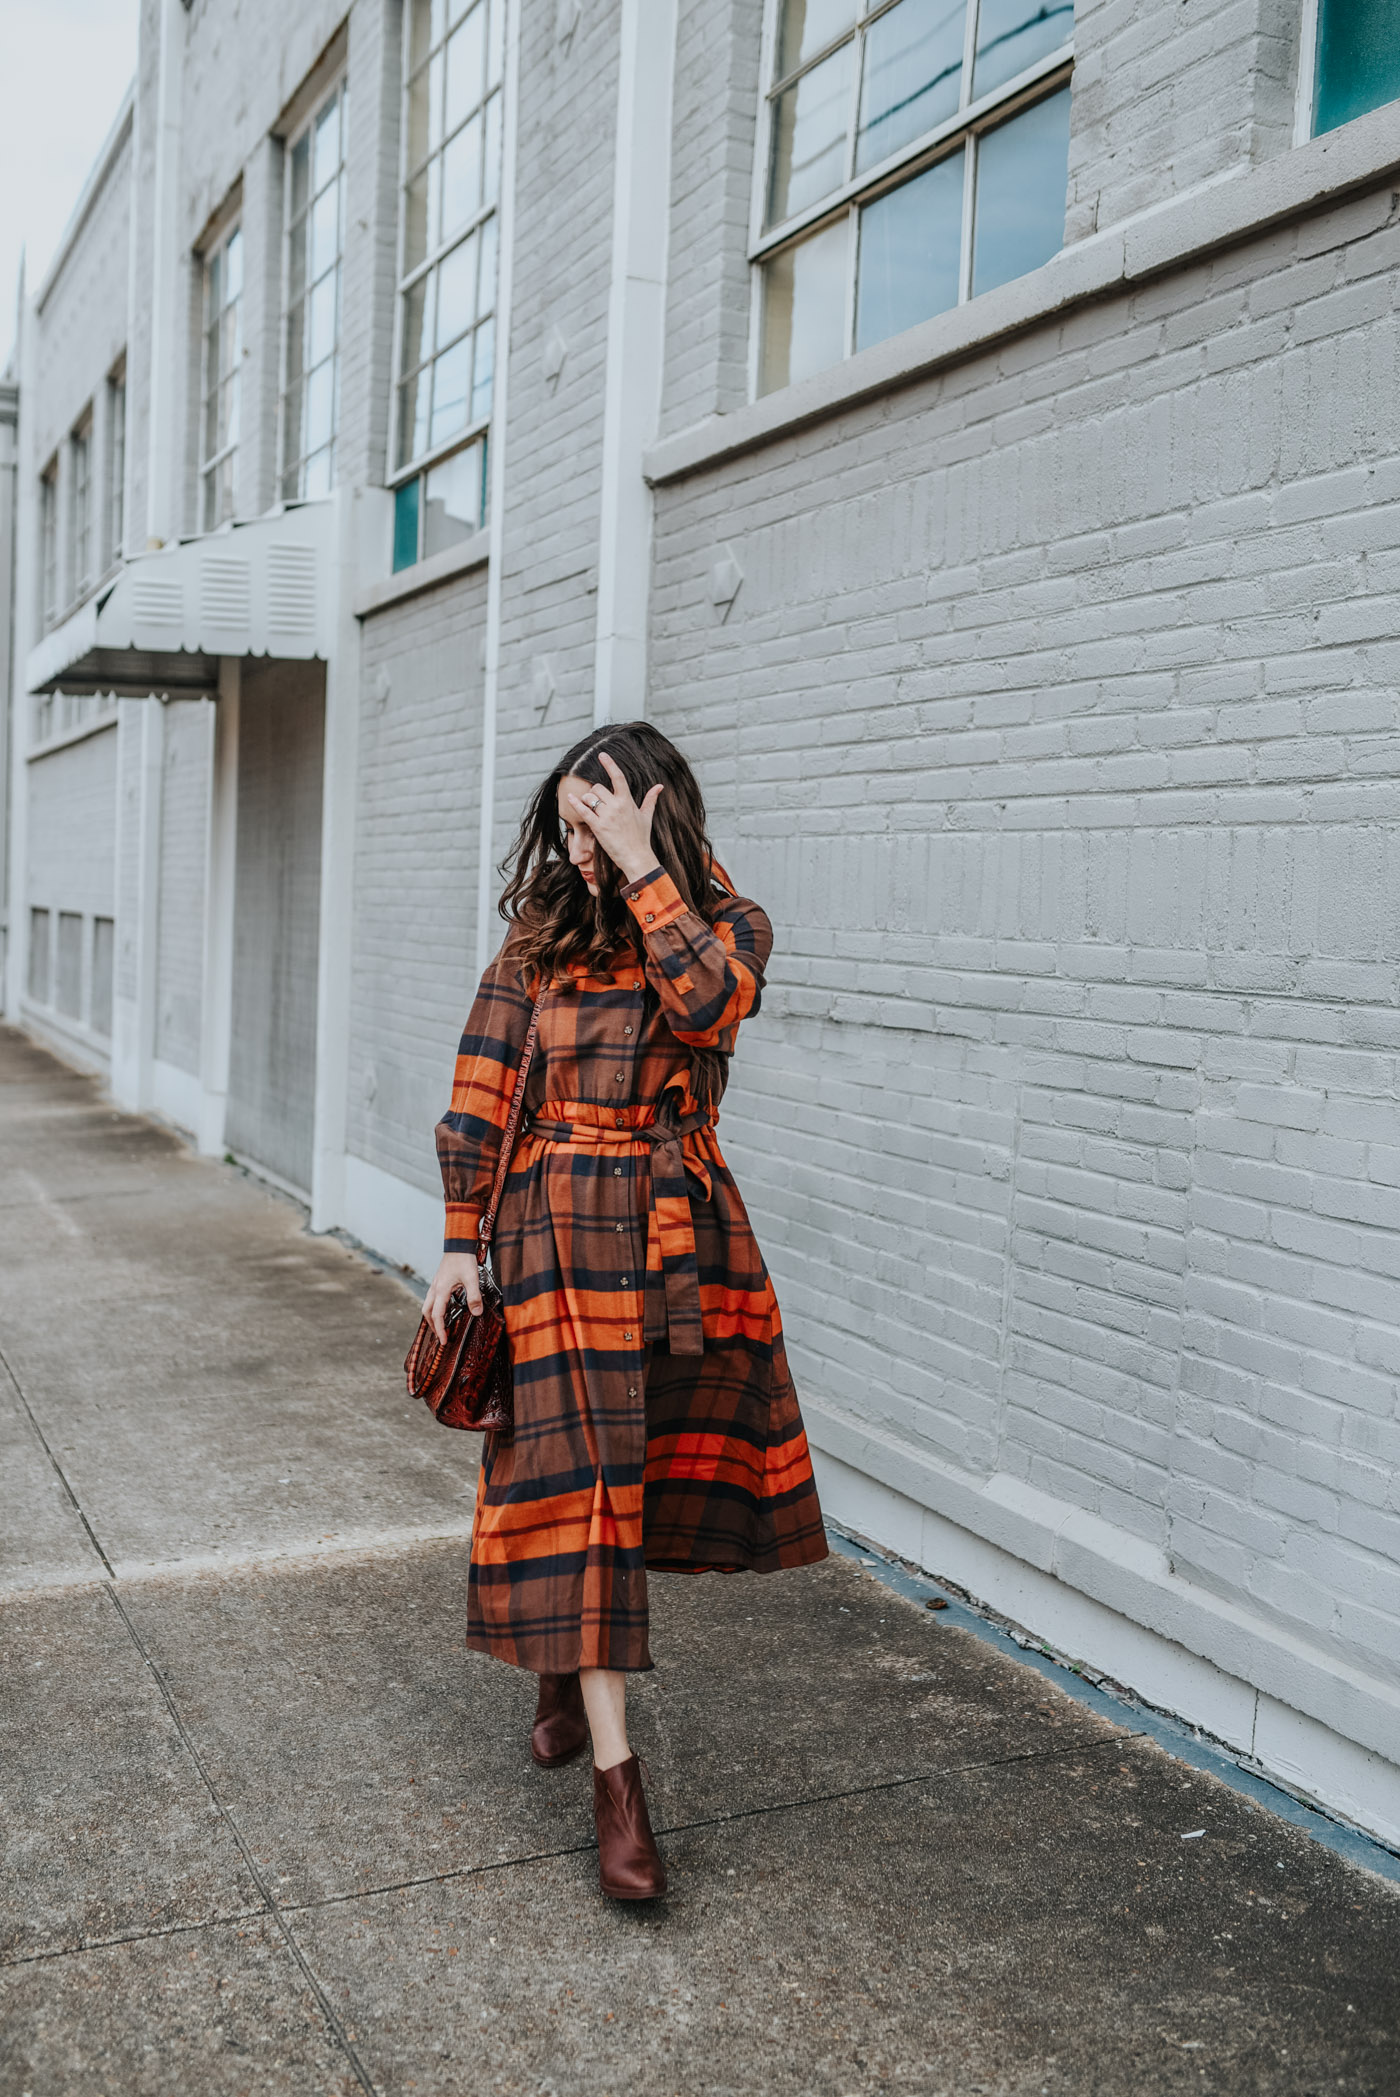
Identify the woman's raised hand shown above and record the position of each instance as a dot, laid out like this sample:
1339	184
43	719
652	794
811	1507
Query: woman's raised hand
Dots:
457	1270
621	826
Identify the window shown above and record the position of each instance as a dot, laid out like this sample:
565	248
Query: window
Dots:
918	155
223	354
315	211
69	977
39	956
115	529
103	948
447	271
80	508
1356	63
48	542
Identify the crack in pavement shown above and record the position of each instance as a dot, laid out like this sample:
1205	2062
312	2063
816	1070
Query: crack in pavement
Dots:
545	1856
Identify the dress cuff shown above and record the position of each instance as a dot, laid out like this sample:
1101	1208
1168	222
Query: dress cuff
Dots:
462	1229
655	901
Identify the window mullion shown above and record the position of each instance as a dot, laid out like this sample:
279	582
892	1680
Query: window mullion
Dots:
968	208
969	57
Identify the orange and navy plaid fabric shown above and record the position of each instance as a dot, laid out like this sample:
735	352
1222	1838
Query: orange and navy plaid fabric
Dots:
656	1423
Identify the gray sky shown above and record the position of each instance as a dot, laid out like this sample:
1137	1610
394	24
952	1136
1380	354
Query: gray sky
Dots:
64	67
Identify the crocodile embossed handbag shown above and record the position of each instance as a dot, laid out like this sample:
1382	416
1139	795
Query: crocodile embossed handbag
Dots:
466	1380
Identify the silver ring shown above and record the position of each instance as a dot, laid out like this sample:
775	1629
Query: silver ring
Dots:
592	803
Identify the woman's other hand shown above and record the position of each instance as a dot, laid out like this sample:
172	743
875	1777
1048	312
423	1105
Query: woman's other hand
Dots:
621	826
457	1271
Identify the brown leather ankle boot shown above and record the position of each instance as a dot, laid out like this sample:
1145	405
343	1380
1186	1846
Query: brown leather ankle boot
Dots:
561	1725
628	1865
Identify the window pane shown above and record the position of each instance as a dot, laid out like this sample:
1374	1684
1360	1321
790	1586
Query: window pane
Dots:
292	445
417	321
496	43
406	525
296	259
320	406
1358	59
416	118
910	252
486	295
809	137
452	500
413	415
483	370
491	184
451	386
1022	178
103	943
39	956
1013	34
325	232
466	67
327	142
913	72
415	219
233	267
420	31
316	480
320	333
456	275
461	177
301	160
804	307
807	26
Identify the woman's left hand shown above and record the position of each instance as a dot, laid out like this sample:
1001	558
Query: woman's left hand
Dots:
621	826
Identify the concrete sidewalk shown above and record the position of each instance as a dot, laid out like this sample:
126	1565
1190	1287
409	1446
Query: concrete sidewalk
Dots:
269	1829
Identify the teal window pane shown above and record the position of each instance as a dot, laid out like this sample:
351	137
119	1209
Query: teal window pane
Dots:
910	251
806	26
810	122
406	525
1022	179
1358	59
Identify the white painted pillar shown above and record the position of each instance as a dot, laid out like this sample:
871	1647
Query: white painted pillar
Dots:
487	923
169	329
636	348
140	777
339	784
221	850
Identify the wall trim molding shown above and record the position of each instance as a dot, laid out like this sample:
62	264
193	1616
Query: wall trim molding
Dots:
1110	1599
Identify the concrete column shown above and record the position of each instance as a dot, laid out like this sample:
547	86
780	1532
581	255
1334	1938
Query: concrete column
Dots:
338	799
636	352
216	1011
140	775
486	930
169	295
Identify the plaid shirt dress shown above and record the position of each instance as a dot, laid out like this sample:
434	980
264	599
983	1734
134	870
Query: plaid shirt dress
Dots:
656	1423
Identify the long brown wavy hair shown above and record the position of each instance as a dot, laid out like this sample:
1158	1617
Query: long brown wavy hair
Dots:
556	920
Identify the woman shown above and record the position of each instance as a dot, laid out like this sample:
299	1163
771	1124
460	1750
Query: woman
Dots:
655	1420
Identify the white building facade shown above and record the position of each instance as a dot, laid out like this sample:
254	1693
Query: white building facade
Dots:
972	429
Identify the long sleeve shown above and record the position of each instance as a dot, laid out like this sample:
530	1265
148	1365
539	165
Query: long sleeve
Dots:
707	977
488	1061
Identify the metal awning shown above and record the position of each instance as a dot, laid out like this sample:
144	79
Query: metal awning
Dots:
265	588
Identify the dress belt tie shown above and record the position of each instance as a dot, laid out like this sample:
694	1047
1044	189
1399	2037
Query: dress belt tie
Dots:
671	1308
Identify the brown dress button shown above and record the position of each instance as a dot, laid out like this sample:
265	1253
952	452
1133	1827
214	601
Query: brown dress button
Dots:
651	917
625	1282
620	1229
627	1030
619	1119
631	1390
621	1078
617	1175
627	1336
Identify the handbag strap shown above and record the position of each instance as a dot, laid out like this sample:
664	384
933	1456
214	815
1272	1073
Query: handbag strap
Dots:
488	1221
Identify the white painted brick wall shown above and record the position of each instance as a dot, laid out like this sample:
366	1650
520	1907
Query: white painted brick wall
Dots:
1056	724
1170	96
415	872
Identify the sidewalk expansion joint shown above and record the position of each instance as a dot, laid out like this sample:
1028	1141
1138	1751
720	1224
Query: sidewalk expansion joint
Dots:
58	1470
164	1929
1093	1745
